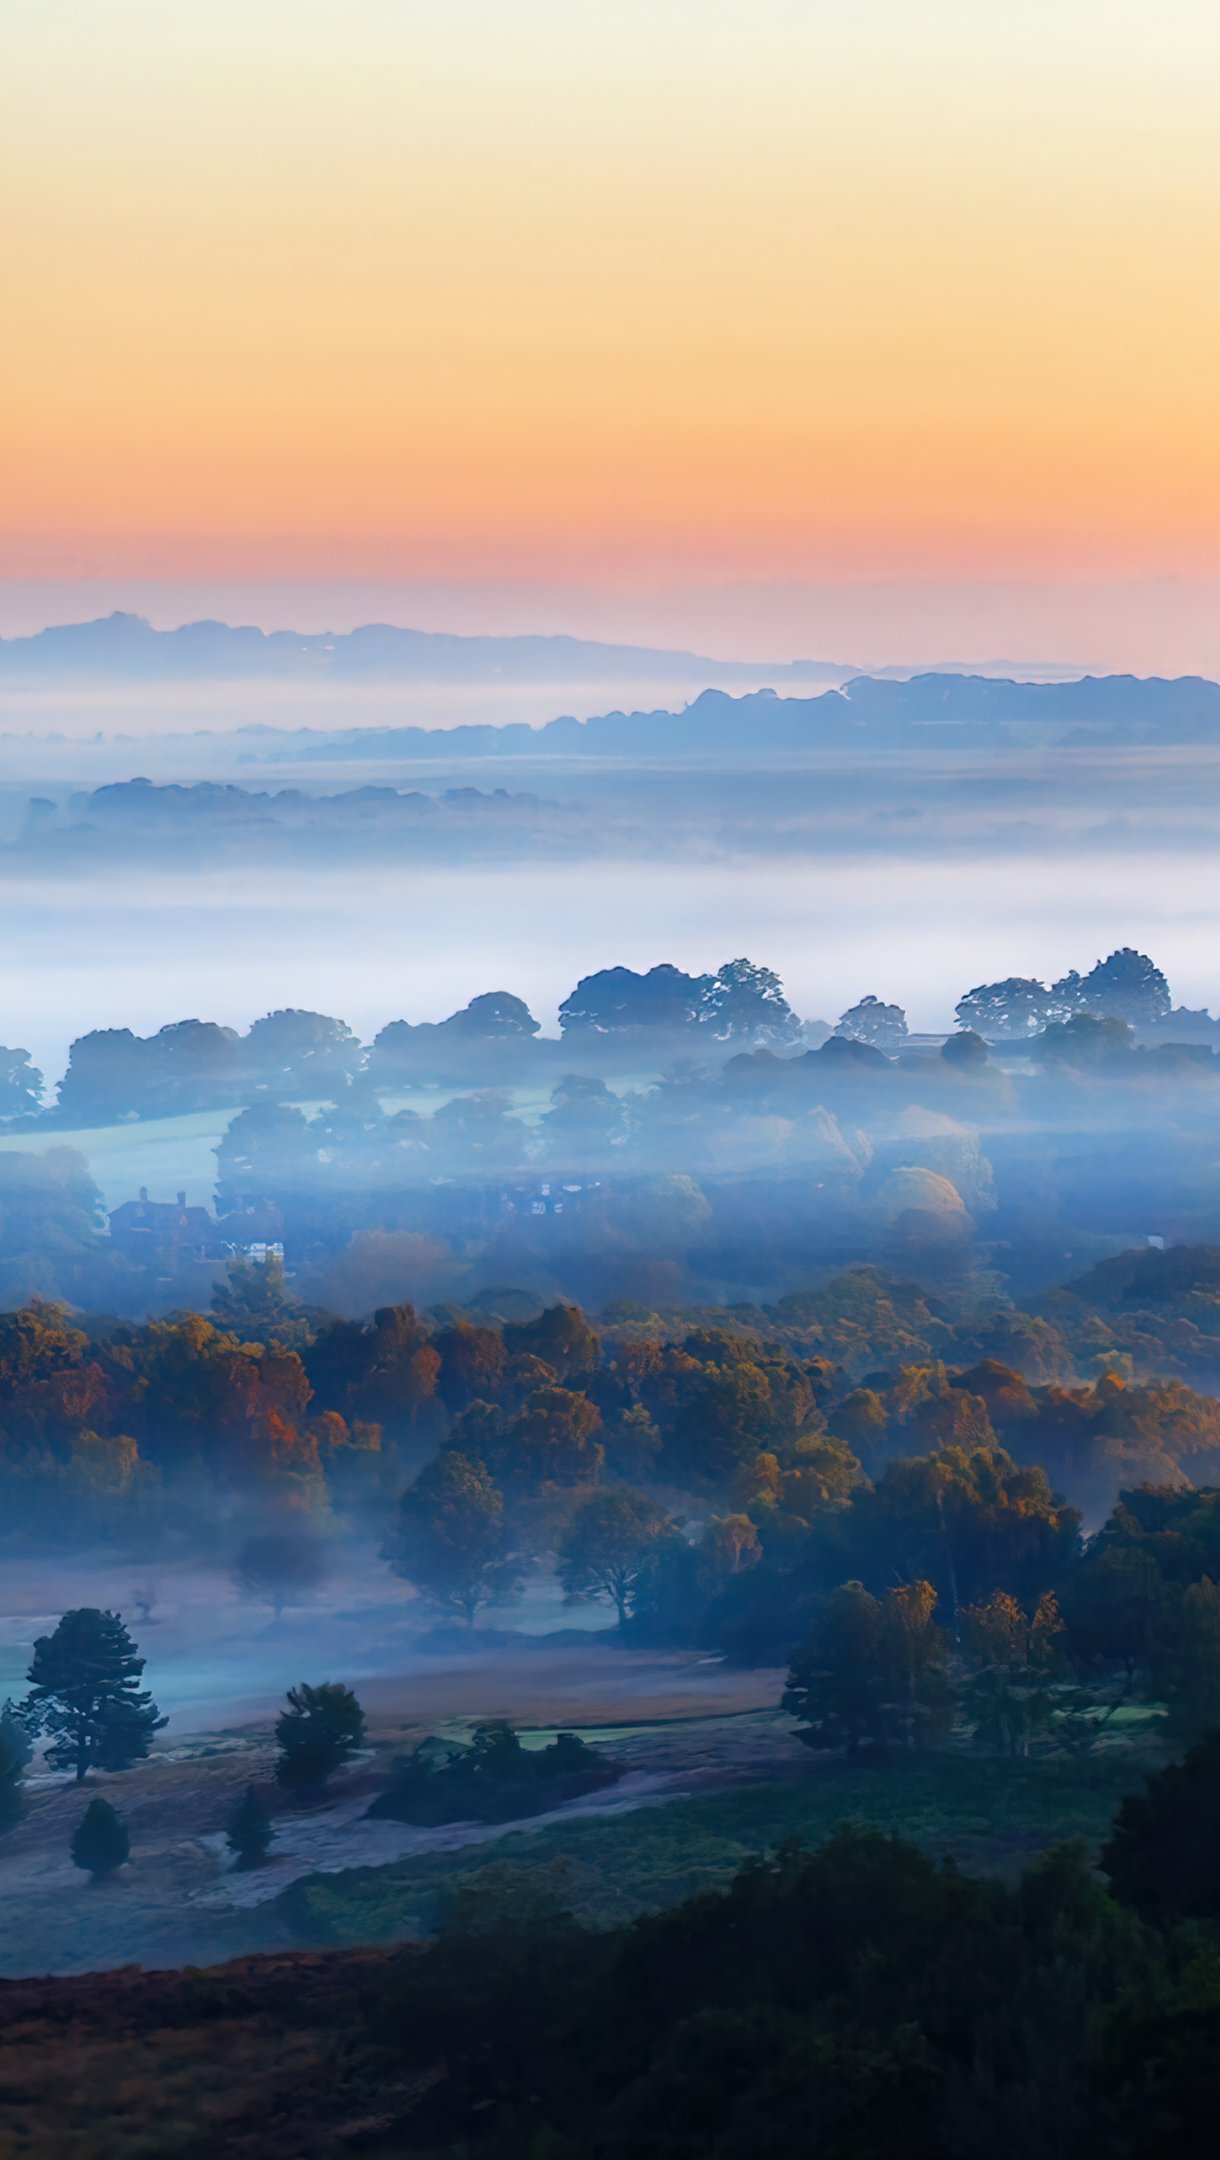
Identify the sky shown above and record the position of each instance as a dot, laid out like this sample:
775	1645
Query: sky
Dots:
617	306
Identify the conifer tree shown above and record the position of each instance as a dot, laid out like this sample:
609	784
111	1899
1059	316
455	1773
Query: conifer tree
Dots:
100	1842
250	1830
85	1692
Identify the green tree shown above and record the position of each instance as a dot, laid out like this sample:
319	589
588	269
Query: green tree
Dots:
85	1692
1188	1666
250	1830
607	1547
318	1732
451	1540
255	1304
836	1688
100	1842
873	1671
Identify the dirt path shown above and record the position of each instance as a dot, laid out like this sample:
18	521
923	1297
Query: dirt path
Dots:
675	1719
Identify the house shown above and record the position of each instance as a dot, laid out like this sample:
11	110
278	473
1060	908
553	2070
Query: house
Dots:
163	1233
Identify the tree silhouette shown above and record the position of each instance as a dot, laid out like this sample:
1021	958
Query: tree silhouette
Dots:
319	1730
85	1692
100	1841
250	1830
607	1547
280	1567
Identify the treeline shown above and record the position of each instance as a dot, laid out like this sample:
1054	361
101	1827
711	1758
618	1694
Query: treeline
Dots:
714	1485
615	1014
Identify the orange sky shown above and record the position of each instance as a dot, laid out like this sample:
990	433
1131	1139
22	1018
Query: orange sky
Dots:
621	291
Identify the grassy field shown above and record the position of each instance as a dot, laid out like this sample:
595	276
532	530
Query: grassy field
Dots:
990	1816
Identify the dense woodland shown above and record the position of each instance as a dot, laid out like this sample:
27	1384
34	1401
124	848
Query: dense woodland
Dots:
858	1482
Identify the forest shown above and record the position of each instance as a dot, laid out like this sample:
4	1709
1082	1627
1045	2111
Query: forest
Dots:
760	1478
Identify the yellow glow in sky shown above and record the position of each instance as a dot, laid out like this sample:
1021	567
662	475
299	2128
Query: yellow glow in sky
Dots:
616	289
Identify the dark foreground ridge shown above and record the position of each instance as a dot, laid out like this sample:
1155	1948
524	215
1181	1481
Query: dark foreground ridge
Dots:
859	2000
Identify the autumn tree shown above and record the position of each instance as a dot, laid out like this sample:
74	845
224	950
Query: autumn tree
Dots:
85	1692
560	1335
553	1440
1009	1696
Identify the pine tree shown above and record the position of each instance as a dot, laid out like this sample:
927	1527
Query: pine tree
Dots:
85	1692
100	1842
250	1830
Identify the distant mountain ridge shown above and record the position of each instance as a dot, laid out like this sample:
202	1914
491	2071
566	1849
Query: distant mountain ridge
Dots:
126	648
924	711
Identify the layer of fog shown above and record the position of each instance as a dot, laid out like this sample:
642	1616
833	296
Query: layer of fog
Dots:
217	1659
137	950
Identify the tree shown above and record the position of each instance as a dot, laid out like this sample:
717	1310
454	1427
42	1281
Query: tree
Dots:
21	1084
450	1539
745	1003
280	1567
303	1053
1008	1696
250	1830
85	1691
880	1026
318	1732
495	1016
1086	1039
836	1685
1128	986
255	1304
1008	1011
560	1335
100	1841
1188	1667
607	1547
966	1052
1163	1854
472	1363
617	1001
585	1114
873	1670
553	1440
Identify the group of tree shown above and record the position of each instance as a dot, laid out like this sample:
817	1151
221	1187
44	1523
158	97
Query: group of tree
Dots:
292	1054
1128	987
494	1432
860	1999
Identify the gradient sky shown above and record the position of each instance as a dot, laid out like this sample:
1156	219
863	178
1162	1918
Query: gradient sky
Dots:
621	292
